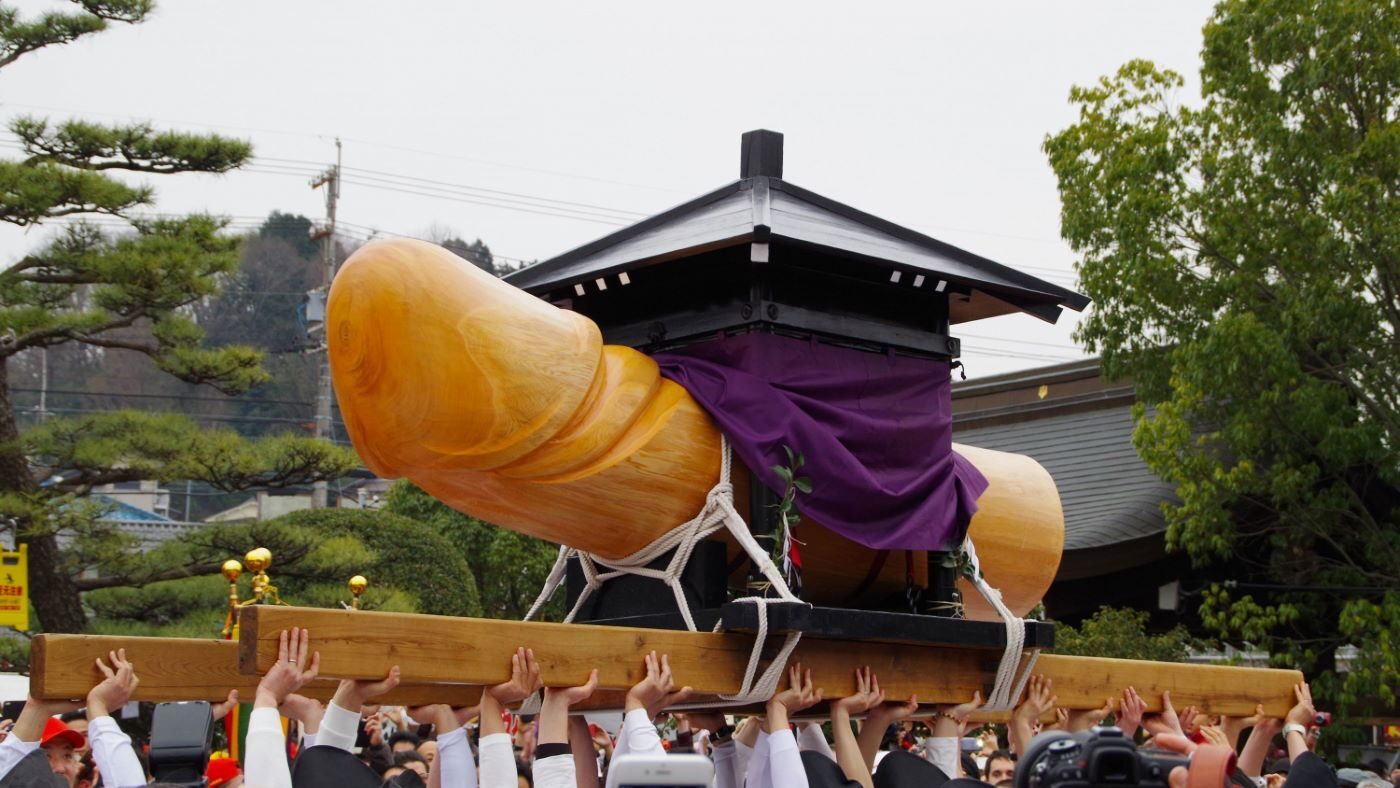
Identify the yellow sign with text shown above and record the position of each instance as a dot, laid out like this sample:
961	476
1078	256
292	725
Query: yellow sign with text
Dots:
14	588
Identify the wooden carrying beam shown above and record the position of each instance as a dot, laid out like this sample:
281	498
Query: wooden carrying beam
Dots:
429	649
64	666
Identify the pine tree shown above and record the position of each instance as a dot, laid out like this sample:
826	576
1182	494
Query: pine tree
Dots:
126	294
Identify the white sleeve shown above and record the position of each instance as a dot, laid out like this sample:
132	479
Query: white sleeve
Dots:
743	754
265	757
454	759
786	763
497	761
723	756
307	740
638	736
12	751
339	729
812	738
556	771
943	751
758	775
111	751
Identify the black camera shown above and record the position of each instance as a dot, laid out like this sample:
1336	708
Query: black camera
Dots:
1099	756
181	737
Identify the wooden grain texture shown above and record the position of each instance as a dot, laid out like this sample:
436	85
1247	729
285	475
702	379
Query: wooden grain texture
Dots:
63	666
437	648
514	411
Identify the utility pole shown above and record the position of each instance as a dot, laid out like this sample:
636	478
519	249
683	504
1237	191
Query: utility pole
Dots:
43	383
331	180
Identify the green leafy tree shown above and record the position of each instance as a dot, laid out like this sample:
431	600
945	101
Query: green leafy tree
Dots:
1121	634
125	294
1243	253
509	568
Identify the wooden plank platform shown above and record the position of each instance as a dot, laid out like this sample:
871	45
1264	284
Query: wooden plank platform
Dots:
429	649
63	666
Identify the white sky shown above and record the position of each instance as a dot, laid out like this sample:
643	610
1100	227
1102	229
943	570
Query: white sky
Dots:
929	114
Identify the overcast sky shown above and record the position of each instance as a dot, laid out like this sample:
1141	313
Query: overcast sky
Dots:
929	114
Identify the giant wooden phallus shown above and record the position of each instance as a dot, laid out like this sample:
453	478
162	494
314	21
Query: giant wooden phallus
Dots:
514	411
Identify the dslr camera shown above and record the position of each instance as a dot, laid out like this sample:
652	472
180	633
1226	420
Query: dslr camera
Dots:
1099	756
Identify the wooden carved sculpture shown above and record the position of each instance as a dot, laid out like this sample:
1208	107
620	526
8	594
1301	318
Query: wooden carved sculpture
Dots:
515	411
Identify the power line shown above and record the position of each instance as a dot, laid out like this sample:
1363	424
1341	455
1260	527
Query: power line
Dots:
181	397
580	217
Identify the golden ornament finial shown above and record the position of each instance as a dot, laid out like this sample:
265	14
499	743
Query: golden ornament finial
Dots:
258	559
232	570
357	586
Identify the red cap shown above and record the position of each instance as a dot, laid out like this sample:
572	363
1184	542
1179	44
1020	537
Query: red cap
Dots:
55	730
220	771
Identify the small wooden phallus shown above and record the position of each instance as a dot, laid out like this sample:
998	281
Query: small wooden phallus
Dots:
513	410
173	669
427	649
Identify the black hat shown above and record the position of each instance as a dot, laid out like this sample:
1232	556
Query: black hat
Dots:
331	767
903	770
822	772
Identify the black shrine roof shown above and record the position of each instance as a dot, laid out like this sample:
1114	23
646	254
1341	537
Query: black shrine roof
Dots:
763	209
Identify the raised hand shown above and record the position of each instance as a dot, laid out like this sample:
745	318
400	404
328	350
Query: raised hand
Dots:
554	712
221	709
115	689
1084	719
524	679
657	689
1039	699
867	695
1165	722
304	710
374	730
1234	726
1061	722
352	694
296	665
1190	720
1130	711
799	694
1214	735
1303	713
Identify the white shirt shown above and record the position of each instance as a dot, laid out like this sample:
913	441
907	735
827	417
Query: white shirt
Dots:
116	760
776	762
454	760
723	756
497	761
943	752
638	736
557	771
339	729
265	758
785	762
12	751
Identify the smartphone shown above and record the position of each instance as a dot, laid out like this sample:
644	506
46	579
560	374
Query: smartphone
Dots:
11	710
644	771
971	744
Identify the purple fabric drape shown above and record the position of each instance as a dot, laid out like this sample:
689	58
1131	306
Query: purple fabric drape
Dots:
875	430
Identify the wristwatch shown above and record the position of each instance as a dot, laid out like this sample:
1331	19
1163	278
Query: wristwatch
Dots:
1294	727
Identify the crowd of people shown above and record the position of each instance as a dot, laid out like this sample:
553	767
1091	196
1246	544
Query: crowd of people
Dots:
351	742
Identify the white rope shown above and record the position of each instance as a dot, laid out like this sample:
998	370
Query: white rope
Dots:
718	513
1011	673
